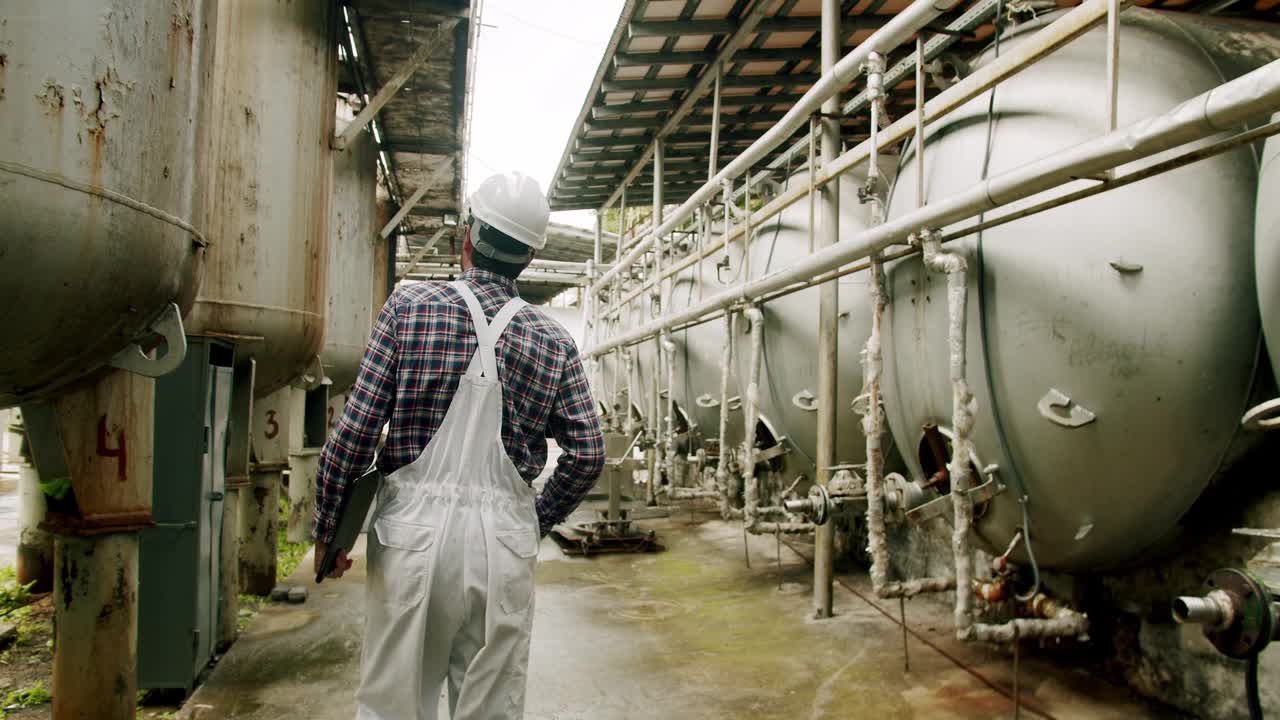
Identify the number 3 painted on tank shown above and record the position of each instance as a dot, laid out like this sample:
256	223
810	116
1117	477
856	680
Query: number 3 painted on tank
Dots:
273	428
1055	400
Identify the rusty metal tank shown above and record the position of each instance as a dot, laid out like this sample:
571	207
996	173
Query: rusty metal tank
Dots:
268	196
354	296
1111	342
102	109
1267	247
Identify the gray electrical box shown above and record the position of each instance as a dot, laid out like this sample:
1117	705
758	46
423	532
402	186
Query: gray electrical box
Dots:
179	557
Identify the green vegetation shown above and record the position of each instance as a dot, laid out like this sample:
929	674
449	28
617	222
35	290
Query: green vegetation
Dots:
28	697
288	554
13	595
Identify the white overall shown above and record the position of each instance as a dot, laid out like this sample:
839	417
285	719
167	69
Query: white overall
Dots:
452	550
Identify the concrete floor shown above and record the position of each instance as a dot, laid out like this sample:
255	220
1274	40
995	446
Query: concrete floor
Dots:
690	633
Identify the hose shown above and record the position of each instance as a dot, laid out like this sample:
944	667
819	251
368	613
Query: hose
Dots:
1251	688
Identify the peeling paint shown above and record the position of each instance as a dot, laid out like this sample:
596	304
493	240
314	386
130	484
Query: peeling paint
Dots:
52	97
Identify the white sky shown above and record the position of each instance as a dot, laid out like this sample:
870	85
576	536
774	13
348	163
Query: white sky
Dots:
533	72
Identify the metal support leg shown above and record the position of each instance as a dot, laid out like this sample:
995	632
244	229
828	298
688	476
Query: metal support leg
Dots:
828	308
96	627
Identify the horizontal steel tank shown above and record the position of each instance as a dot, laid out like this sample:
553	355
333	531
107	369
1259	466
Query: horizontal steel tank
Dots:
1267	247
788	367
353	261
1111	342
274	88
102	111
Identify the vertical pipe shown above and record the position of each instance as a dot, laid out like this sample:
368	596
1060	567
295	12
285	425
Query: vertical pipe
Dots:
628	363
713	156
622	229
750	416
873	425
598	253
828	308
722	465
669	349
920	201
962	420
35	546
726	189
1113	62
659	157
95	628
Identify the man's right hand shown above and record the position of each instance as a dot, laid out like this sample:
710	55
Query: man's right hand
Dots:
342	565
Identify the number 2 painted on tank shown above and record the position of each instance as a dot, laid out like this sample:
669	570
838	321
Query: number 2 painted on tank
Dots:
273	427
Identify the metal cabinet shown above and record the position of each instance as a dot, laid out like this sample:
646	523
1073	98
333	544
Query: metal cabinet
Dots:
178	606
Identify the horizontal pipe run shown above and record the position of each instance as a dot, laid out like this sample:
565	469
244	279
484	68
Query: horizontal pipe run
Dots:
905	24
1043	43
919	586
1066	623
1224	107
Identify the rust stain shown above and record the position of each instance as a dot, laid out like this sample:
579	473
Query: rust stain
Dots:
4	62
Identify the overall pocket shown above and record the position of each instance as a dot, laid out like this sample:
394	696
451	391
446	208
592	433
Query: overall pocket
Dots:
401	569
514	562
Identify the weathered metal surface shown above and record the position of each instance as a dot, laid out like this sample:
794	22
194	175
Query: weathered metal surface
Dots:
354	267
259	524
102	111
1164	358
106	437
269	192
791	323
96	609
1267	247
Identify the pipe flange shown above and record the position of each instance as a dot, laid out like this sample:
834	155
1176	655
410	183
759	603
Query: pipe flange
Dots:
1252	629
821	503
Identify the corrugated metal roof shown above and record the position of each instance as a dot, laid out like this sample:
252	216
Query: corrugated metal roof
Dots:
660	49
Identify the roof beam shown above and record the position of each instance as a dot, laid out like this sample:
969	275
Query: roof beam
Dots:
649	122
720	26
426	248
726	101
421	146
431	181
647	139
728	81
388	91
702	57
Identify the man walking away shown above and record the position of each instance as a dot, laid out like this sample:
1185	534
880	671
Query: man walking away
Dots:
472	382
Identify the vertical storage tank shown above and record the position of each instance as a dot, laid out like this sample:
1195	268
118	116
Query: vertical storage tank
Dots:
275	80
1112	342
101	118
353	258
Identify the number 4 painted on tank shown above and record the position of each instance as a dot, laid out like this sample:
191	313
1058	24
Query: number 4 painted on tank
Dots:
120	452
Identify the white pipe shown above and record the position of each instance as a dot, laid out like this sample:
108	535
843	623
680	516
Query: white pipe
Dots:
669	349
722	465
903	25
963	408
751	414
1226	106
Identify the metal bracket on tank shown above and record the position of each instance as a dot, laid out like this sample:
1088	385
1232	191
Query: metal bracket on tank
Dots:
939	507
805	401
1264	416
313	377
706	401
169	326
1077	415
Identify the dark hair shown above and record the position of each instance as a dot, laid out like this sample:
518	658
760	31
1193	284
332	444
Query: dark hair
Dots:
503	243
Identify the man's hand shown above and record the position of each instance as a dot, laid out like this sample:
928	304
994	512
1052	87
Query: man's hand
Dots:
342	565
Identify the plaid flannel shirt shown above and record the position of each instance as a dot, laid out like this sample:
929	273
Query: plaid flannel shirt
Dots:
421	344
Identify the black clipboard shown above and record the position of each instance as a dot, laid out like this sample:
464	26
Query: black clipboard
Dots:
357	498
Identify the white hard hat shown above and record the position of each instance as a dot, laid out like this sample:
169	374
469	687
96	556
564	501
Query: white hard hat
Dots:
513	204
